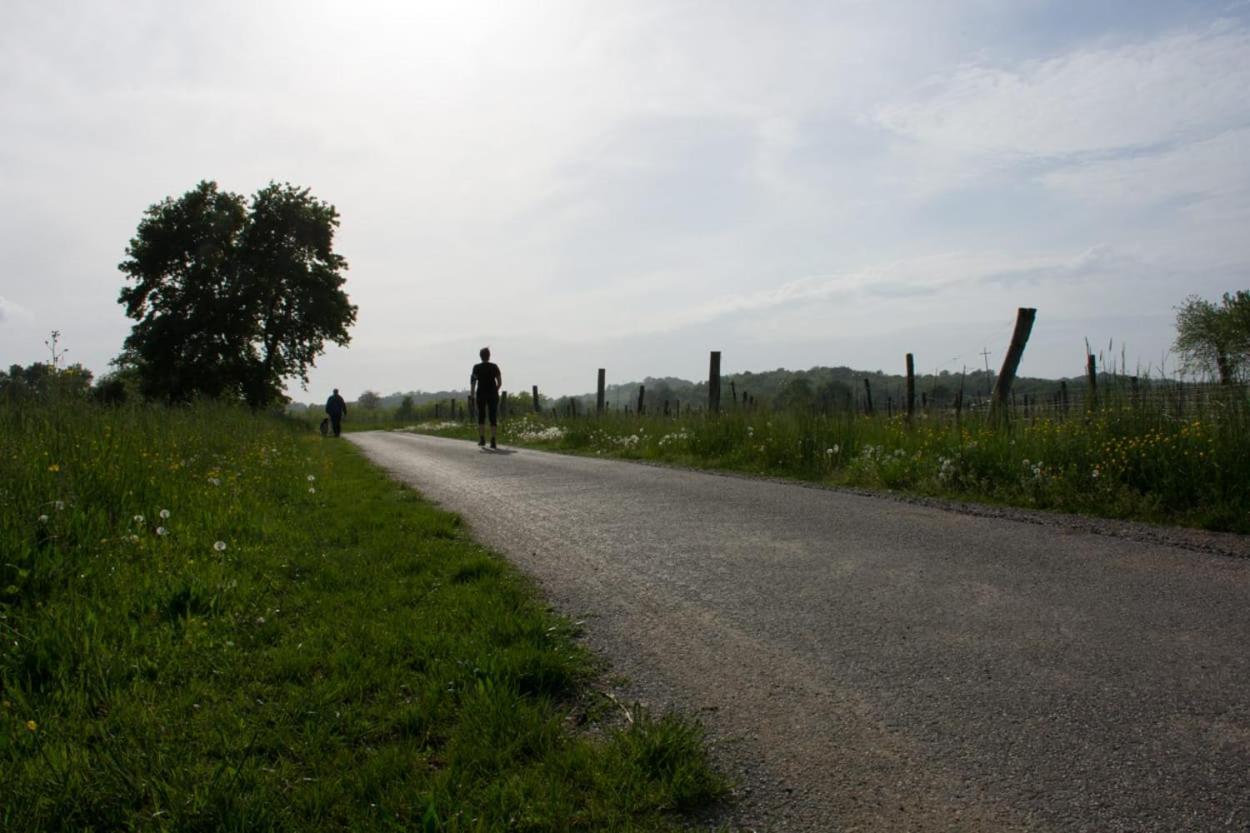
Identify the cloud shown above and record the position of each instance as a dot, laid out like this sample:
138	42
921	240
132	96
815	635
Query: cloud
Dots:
10	309
1214	169
1107	98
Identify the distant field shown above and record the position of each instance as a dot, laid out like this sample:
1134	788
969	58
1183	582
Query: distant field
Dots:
215	621
1124	459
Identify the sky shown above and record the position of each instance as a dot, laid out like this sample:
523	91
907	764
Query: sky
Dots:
629	185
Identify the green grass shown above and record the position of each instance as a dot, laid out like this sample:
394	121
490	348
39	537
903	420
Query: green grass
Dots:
215	621
1121	461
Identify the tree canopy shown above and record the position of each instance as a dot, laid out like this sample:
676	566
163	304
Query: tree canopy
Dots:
1214	339
231	298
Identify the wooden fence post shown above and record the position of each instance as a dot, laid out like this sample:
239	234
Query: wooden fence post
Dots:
603	376
503	404
642	391
911	386
868	396
1011	362
713	383
1063	397
537	408
1091	380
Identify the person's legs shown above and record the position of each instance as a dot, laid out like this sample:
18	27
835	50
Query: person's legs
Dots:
494	417
336	422
481	421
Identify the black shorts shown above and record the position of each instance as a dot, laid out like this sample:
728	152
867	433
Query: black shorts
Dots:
483	405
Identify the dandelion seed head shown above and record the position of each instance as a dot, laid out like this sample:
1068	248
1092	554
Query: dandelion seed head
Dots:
164	513
138	519
220	546
312	490
58	505
43	519
311	478
160	530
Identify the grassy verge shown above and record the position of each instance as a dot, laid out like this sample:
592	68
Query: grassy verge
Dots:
212	621
1120	461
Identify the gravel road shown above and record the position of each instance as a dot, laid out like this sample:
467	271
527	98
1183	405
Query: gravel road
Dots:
865	664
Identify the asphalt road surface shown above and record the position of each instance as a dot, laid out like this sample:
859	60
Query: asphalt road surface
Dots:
866	664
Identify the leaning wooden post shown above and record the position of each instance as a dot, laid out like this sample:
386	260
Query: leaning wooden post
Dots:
537	408
599	399
713	383
1063	397
1006	376
733	393
911	386
642	391
503	404
868	396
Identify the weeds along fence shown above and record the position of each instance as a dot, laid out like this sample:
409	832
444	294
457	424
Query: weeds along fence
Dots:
1168	398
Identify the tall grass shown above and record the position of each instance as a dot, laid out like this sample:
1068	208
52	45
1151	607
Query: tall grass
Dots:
215	621
1123	458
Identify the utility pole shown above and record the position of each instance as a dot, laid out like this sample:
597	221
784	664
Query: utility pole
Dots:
985	353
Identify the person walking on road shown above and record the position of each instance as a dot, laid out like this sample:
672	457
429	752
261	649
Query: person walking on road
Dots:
484	384
336	409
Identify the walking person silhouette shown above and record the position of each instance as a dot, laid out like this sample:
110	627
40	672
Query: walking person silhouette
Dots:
336	409
484	384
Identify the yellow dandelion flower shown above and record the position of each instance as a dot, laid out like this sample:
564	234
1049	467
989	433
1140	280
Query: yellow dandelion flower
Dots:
32	725
54	468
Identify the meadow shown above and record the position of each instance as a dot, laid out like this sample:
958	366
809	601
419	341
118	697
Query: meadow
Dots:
211	620
1127	457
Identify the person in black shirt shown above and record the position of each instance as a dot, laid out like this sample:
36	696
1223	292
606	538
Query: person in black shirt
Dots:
336	408
484	383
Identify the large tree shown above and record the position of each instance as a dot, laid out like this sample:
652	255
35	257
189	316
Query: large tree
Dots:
1214	339
231	299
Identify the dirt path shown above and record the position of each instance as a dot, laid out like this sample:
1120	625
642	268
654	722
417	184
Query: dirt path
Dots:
865	664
